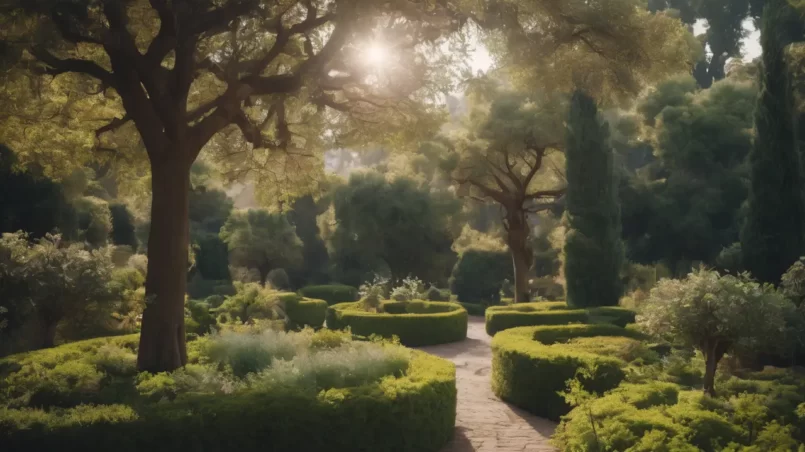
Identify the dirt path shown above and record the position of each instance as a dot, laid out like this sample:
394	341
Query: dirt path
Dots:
484	423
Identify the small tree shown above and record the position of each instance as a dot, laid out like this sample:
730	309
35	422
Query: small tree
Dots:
593	249
261	240
716	315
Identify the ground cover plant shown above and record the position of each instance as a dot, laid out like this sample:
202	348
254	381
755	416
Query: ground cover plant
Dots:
91	393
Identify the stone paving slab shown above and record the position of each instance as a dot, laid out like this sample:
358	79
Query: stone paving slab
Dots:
484	423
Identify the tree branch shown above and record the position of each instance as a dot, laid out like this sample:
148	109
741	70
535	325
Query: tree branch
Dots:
113	125
60	66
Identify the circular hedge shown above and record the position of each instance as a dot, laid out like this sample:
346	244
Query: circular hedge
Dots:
500	318
531	365
416	323
411	413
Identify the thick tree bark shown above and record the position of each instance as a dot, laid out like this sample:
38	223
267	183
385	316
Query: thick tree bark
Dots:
522	256
713	352
162	341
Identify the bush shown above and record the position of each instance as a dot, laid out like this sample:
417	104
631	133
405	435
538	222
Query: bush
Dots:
200	288
331	293
304	312
436	294
421	323
531	365
404	413
478	276
477	310
499	318
278	278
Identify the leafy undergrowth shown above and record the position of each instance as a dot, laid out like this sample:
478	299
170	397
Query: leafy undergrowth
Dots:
64	381
661	407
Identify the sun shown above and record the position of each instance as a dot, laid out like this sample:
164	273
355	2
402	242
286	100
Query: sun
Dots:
376	55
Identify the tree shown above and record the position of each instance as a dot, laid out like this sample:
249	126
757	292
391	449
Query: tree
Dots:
716	315
208	211
256	82
123	232
32	203
394	228
593	247
261	240
686	205
772	238
316	259
507	154
94	220
61	281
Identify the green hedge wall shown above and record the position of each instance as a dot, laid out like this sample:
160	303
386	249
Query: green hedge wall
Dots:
304	312
331	293
416	323
409	414
499	318
531	366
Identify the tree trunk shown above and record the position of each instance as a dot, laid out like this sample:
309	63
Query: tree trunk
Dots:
522	256
263	275
162	341
48	333
712	355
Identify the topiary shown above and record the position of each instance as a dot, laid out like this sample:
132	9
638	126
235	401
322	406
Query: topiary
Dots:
278	278
479	275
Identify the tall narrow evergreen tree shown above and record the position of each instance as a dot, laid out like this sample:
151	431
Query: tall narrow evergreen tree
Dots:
772	238
593	248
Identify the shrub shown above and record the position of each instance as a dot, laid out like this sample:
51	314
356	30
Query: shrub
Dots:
436	294
200	288
304	312
331	293
278	278
199	319
405	402
422	323
499	318
523	356
477	310
409	289
478	276
251	302
716	315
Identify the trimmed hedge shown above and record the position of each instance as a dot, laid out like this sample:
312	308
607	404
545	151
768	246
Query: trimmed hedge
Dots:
412	413
531	365
478	310
499	318
416	323
331	293
304	312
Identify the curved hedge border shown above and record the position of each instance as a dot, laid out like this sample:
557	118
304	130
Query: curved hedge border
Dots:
500	318
304	312
530	373
331	293
412	413
416	323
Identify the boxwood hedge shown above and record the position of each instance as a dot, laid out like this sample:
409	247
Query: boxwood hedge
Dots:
304	312
416	323
415	412
499	318
531	365
331	293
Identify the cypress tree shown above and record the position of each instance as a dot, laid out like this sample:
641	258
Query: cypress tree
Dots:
593	248
772	238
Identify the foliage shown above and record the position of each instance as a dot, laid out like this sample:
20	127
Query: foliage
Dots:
250	303
716	315
262	240
389	225
305	312
686	205
436	294
410	288
478	276
772	238
31	202
611	50
793	282
522	356
278	279
372	294
316	259
94	220
49	282
332	293
407	397
499	318
199	288
593	247
419	323
123	232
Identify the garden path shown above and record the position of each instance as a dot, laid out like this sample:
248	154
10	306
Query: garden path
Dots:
484	423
